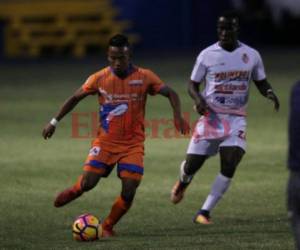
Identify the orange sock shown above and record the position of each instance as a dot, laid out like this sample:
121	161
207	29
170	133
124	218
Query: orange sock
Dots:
119	208
69	194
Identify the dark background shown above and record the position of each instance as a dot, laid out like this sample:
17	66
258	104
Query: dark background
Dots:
184	24
190	23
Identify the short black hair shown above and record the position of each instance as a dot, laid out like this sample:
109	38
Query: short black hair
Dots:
119	40
230	14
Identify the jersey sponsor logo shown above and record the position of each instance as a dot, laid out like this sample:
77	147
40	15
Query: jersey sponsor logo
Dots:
115	98
119	110
217	64
232	76
108	97
94	151
230	88
231	101
245	58
109	111
135	82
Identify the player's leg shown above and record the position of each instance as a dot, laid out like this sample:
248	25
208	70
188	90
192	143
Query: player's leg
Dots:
188	168
85	182
232	149
95	167
230	158
197	153
121	206
130	171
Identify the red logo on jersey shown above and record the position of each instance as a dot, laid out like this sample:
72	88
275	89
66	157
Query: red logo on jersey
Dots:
245	58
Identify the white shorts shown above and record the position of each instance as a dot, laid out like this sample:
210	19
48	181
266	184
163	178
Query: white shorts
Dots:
217	130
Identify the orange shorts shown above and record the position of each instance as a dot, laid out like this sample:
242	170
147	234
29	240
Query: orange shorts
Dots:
130	163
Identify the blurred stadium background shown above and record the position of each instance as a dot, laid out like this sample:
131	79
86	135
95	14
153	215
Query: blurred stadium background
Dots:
32	28
49	47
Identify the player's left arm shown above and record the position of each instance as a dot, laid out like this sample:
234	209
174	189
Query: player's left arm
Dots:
266	90
180	123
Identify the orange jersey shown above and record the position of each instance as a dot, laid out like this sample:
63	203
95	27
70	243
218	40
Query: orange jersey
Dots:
122	105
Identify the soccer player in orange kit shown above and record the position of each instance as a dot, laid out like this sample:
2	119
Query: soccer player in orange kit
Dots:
122	90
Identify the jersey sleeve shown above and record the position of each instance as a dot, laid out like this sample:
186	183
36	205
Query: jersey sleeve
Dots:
258	72
199	69
154	83
90	84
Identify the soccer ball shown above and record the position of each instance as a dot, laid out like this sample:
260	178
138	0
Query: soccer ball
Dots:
86	228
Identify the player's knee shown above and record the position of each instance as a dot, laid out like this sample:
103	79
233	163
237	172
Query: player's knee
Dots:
193	163
228	171
190	168
89	180
87	184
230	159
129	187
128	196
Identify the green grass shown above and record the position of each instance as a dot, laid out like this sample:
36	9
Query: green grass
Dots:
252	215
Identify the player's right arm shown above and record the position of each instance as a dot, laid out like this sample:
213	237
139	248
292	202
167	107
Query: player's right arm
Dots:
200	103
68	105
197	76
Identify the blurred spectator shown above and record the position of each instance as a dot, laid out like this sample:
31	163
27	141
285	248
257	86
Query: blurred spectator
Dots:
270	21
294	163
279	7
276	7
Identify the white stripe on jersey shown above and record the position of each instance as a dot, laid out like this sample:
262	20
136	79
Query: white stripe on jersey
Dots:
227	76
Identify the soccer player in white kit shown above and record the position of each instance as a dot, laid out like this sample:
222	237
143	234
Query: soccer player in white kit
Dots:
226	68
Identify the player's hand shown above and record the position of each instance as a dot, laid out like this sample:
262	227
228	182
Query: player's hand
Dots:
181	125
48	131
274	99
201	107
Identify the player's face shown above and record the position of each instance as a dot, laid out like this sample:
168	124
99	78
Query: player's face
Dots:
227	31
118	58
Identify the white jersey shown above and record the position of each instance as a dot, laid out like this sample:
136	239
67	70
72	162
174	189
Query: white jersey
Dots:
227	76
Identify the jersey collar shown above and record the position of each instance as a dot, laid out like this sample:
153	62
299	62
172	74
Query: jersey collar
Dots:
131	68
217	46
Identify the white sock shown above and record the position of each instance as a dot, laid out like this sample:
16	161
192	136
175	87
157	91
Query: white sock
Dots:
218	189
183	176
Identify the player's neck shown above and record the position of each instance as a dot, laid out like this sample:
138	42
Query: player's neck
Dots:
125	73
229	47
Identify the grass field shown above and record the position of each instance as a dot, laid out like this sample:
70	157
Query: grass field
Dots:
252	215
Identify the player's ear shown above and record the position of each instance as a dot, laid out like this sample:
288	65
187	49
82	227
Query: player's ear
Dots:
236	24
129	51
107	54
